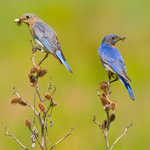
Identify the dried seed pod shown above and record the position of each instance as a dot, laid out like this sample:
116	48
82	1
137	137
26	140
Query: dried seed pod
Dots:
48	96
104	99
104	87
15	100
104	124
41	72
27	124
113	106
34	69
112	117
18	100
33	79
41	107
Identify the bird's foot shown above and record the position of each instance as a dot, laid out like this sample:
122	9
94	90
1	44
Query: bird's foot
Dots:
34	49
43	59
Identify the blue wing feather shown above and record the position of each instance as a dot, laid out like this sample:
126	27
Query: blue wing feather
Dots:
60	56
128	87
47	37
112	57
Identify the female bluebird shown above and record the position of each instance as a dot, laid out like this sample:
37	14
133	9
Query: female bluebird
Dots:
44	37
113	61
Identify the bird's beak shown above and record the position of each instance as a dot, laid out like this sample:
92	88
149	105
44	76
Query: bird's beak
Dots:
19	20
121	39
118	39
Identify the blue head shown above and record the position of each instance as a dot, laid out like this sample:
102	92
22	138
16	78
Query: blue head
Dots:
112	39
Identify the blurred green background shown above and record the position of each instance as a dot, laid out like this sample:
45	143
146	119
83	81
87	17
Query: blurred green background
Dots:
80	25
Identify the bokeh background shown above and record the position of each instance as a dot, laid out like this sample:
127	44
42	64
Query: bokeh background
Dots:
80	25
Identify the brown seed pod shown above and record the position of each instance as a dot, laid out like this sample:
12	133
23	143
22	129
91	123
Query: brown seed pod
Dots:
18	100
32	79
104	99
34	70
104	87
27	123
15	100
48	96
41	107
113	106
104	124
41	72
112	117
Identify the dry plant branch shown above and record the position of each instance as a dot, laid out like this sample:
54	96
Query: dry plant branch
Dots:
14	138
42	109
62	139
121	136
110	117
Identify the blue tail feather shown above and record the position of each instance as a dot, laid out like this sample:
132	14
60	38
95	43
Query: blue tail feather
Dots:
128	87
60	56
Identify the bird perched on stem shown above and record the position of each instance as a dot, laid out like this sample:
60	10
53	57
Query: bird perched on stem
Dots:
113	61
44	37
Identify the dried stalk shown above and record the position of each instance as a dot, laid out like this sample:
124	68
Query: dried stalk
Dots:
62	139
44	113
108	106
15	138
121	136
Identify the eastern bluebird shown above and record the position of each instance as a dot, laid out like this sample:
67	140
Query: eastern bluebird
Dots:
44	37
113	62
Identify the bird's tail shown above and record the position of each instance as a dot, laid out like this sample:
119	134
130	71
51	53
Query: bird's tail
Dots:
128	87
60	56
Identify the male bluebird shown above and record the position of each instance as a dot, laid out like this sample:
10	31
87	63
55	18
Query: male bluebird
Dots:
44	37
113	61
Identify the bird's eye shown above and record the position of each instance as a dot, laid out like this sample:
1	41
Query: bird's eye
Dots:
113	37
27	17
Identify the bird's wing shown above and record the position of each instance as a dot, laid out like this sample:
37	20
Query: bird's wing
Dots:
45	35
112	57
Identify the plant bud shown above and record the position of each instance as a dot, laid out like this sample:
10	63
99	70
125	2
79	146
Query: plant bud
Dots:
34	70
104	124
48	96
27	124
112	117
41	107
15	100
113	106
105	101
41	72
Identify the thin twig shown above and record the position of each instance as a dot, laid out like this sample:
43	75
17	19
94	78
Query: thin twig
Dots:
122	135
33	60
62	139
107	131
106	139
14	138
26	102
96	122
38	93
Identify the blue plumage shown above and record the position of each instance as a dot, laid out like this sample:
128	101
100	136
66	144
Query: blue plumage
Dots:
60	56
48	39
44	37
128	87
113	61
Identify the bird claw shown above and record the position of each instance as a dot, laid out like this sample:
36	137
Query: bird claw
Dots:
34	49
